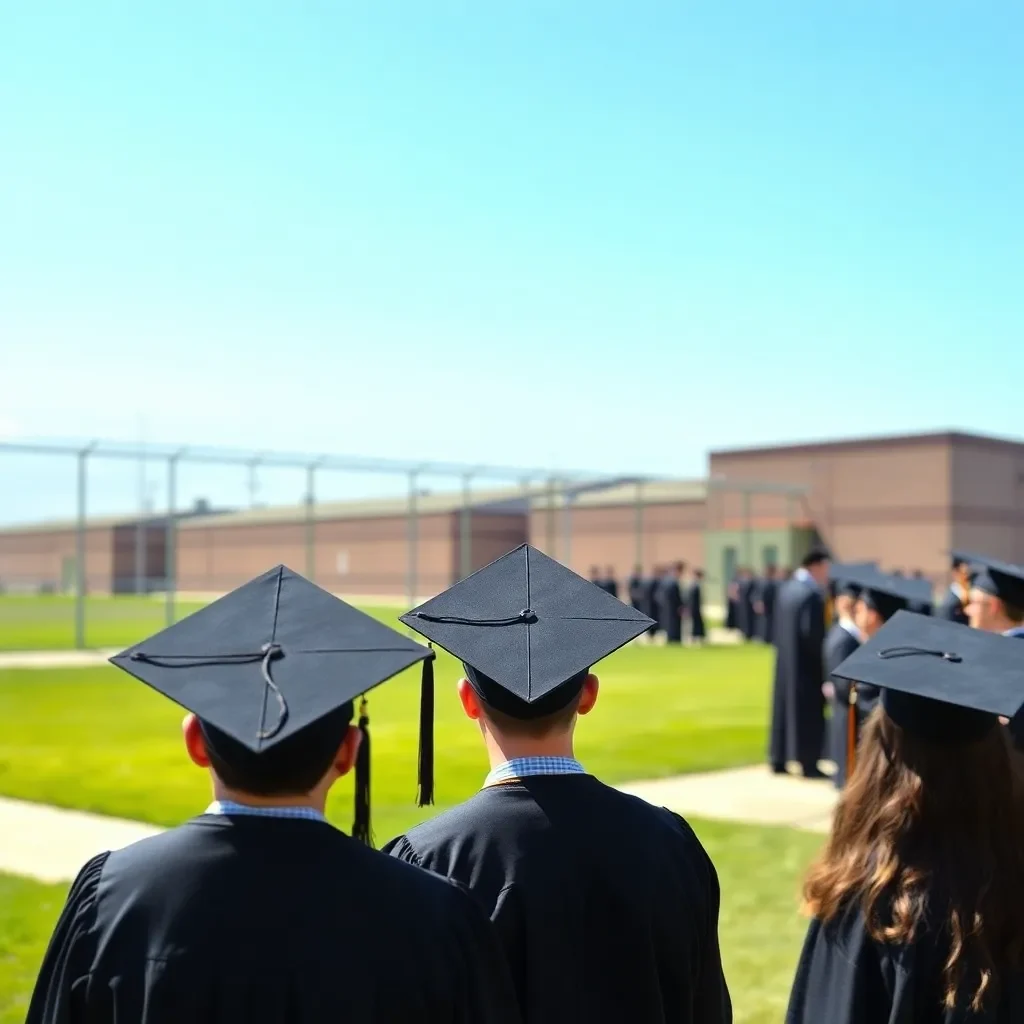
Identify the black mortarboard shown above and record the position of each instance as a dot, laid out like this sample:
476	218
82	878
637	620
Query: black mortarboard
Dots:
273	658
940	680
527	630
1000	579
839	581
886	594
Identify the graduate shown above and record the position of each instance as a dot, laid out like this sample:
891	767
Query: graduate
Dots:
652	605
695	606
798	704
841	640
764	604
917	901
258	910
746	590
995	603
607	906
672	604
611	584
954	602
877	599
637	590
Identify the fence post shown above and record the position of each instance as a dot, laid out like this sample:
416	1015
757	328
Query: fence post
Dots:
413	535
171	537
80	531
638	524
311	519
567	497
748	555
466	528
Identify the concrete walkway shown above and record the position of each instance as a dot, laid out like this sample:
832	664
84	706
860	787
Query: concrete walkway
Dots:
51	844
54	659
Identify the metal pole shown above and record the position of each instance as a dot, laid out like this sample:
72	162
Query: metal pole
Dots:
413	526
566	525
80	528
550	523
311	520
747	538
638	524
170	553
466	529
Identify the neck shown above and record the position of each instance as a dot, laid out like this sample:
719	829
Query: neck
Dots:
504	748
317	799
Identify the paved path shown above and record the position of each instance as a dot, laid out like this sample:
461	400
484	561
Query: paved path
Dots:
54	659
51	844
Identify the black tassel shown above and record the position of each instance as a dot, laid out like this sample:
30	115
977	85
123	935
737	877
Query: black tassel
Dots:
361	823
425	772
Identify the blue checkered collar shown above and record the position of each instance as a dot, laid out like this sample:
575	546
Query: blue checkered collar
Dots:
524	767
229	807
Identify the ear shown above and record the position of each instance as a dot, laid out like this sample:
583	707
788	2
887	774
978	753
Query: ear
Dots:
195	741
470	701
588	695
345	758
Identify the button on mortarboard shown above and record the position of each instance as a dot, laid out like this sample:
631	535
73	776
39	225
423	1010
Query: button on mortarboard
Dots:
271	657
525	626
941	680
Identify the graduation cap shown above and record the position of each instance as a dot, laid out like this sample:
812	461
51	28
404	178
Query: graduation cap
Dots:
527	630
993	576
839	577
886	594
940	680
273	658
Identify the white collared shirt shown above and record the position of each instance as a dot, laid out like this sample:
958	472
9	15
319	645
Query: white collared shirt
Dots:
851	627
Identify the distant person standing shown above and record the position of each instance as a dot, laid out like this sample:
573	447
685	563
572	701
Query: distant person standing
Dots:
732	593
746	591
695	604
764	604
953	605
611	583
841	640
671	604
651	596
637	591
596	578
798	704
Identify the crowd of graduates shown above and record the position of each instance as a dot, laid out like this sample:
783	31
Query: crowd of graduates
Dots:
548	896
672	597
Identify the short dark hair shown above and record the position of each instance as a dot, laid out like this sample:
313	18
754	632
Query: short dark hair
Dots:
815	556
290	768
535	728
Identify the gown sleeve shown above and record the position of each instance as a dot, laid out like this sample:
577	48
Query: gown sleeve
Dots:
69	954
401	848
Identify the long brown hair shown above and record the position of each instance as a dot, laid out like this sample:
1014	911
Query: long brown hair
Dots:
927	830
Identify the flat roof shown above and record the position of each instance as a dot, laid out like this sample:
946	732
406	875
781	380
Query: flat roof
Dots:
650	492
872	441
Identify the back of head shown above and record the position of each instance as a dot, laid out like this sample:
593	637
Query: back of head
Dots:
291	768
931	835
816	556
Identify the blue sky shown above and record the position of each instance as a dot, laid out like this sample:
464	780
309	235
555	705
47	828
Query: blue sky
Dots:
600	235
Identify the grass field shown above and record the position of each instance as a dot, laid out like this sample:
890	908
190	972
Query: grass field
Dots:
47	623
94	739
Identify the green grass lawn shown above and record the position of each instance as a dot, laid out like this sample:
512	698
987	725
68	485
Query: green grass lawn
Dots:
759	870
94	739
47	622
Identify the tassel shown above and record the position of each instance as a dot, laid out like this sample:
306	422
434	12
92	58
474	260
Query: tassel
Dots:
425	770
361	823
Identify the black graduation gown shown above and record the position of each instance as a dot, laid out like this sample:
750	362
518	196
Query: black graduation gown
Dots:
798	705
845	977
254	920
612	586
653	586
637	594
1015	727
732	605
951	607
606	905
839	645
695	600
670	608
766	619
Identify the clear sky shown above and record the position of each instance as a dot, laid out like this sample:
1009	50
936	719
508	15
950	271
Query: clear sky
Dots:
600	235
